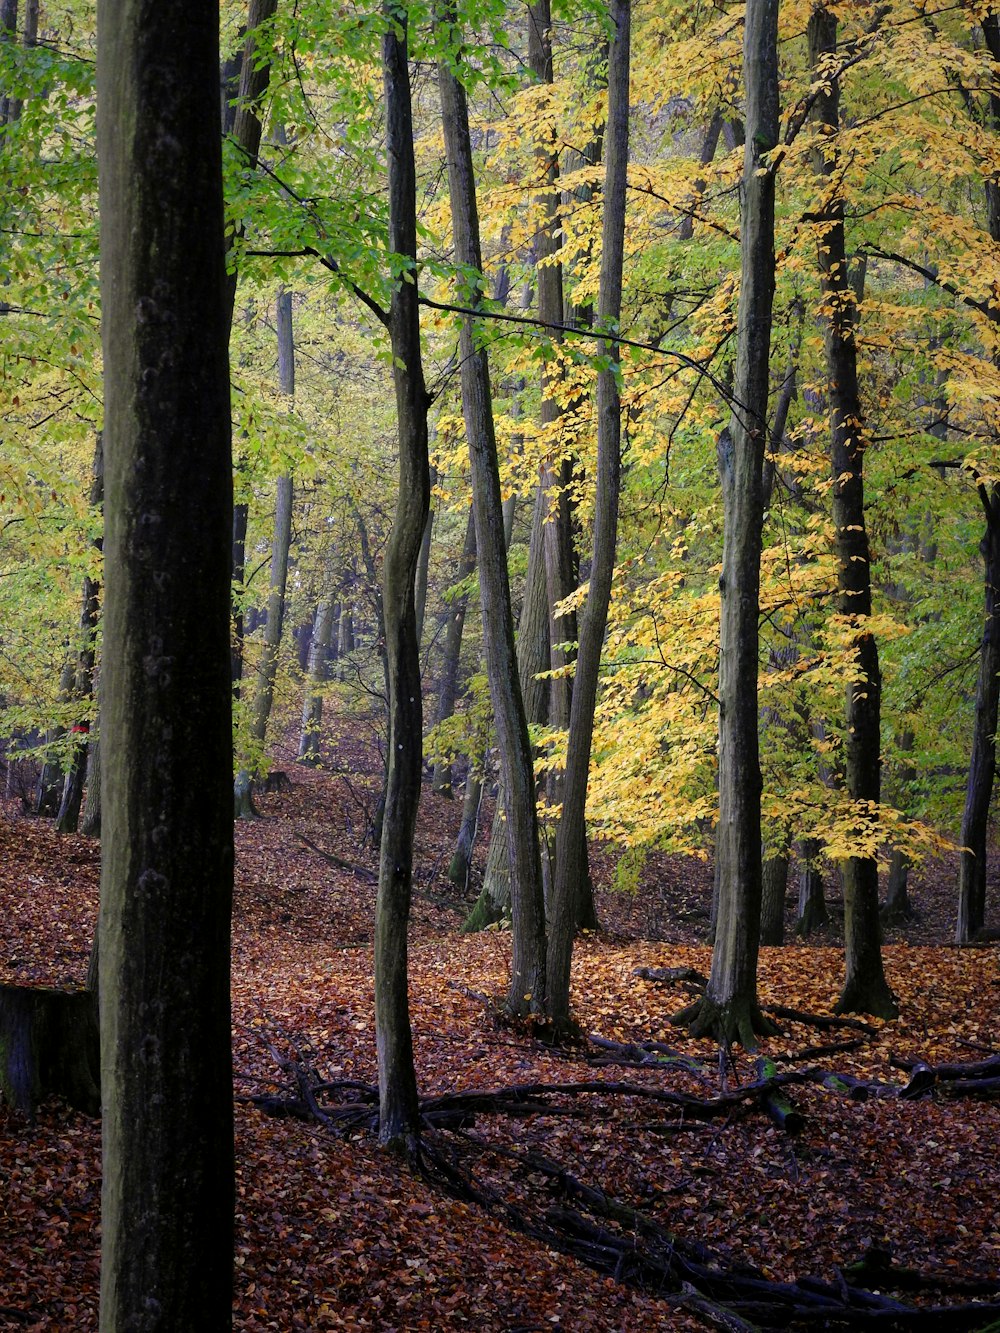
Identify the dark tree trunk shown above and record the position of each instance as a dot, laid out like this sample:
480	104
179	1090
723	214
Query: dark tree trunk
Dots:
572	826
527	986
461	861
451	656
729	1009
865	987
774	881
811	913
398	1111
167	855
982	762
532	660
423	567
49	1047
83	689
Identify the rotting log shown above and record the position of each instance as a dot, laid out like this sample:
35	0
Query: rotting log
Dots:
49	1047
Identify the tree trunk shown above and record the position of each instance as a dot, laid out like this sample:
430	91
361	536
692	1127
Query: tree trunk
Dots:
572	826
91	825
167	855
811	913
312	706
83	688
865	987
49	1047
398	1111
461	861
451	656
532	660
423	567
527	986
774	881
729	1010
982	762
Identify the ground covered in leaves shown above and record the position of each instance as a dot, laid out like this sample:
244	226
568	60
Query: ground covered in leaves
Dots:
543	1209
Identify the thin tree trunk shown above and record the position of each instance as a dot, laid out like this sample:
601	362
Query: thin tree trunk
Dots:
398	1111
72	794
526	993
312	705
865	988
982	761
167	855
729	1010
532	660
572	826
451	656
461	861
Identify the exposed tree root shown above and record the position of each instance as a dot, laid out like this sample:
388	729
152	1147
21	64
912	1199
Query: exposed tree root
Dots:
731	1023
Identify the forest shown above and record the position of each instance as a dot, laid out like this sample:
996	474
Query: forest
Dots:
499	664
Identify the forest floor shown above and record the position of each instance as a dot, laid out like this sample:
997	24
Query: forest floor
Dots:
334	1233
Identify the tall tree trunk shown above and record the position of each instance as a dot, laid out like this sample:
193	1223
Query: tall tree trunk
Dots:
572	827
167	855
532	660
72	794
451	656
312	705
865	988
527	986
729	1010
982	762
398	1113
267	668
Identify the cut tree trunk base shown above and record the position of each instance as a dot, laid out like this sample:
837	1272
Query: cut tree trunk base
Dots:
49	1047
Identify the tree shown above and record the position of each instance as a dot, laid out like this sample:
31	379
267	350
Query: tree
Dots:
398	1114
865	989
167	863
526	993
729	1009
570	867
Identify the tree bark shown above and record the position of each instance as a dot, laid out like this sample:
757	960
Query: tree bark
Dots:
572	825
982	761
398	1110
49	1047
729	1010
865	988
312	706
167	863
532	660
72	794
811	912
774	884
461	861
527	986
451	656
